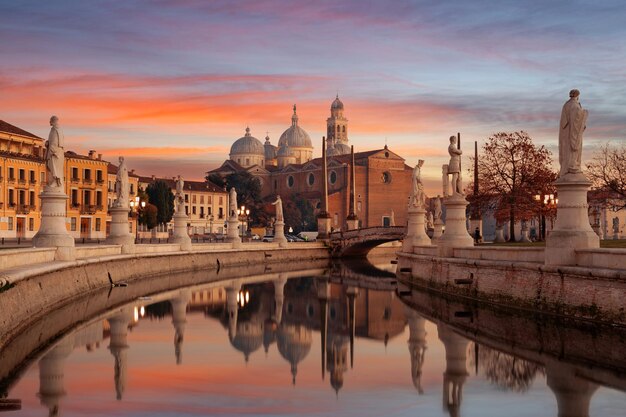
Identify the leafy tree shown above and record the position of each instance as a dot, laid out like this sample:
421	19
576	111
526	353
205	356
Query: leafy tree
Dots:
299	214
160	195
607	171
148	216
248	193
511	171
216	179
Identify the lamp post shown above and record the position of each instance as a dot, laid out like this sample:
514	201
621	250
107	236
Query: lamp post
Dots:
550	201
243	213
135	205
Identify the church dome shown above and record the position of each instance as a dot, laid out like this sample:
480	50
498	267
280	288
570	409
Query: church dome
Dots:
295	136
337	104
247	145
284	151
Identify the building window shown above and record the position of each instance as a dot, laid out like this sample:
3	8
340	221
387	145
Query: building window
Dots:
186	198
32	177
221	201
290	181
332	177
99	176
31	198
74	198
202	199
22	174
311	179
31	224
98	198
73	224
42	177
193	210
11	174
193	199
22	198
220	212
209	199
98	224
10	224
386	177
74	174
187	210
87	174
132	189
11	198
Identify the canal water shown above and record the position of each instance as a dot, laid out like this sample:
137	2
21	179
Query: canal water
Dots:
340	341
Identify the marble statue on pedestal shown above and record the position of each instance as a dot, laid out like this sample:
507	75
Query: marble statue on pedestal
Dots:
418	198
430	222
121	185
279	209
55	155
180	195
571	128
232	203
454	169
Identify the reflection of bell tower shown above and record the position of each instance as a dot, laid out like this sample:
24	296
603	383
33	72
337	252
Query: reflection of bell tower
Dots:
279	297
179	319
337	360
352	293
573	394
52	375
118	346
417	347
456	370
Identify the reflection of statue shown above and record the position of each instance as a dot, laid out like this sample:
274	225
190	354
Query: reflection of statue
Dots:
180	197
55	155
121	185
279	209
437	208
454	168
571	128
417	194
232	203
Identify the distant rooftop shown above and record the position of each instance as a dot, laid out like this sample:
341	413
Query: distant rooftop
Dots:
14	130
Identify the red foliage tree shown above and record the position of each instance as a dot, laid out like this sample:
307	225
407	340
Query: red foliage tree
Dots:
511	171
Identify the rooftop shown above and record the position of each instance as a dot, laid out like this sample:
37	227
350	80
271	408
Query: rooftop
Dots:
14	130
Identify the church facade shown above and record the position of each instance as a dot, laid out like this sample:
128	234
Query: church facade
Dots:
382	179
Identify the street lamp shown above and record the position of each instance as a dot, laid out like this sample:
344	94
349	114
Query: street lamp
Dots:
550	201
243	213
135	204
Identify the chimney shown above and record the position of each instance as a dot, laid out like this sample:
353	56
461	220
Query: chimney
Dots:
153	177
92	154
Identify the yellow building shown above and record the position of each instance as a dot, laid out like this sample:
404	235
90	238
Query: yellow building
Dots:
205	204
22	172
86	186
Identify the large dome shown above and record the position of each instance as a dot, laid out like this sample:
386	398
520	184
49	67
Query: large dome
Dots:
295	136
247	145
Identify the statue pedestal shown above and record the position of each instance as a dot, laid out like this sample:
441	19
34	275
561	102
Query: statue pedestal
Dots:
53	232
525	236
180	231
499	235
279	233
119	234
437	231
352	224
232	234
323	227
456	235
415	231
572	230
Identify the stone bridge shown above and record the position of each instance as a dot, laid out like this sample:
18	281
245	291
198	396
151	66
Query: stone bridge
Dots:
359	242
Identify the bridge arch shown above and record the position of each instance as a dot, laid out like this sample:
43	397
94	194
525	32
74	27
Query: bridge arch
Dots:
358	242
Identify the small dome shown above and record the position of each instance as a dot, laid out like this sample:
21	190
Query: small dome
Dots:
270	150
295	136
337	104
247	145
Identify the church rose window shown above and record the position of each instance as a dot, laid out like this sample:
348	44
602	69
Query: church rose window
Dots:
333	177
290	181
311	179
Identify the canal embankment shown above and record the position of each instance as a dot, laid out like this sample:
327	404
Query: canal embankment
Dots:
593	289
33	283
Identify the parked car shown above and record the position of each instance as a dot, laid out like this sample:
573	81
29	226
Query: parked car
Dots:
292	238
268	238
255	236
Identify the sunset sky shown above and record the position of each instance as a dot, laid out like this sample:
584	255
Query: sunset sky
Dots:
171	84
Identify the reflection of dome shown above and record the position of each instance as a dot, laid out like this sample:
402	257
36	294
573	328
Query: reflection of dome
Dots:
249	337
247	145
295	136
294	344
337	104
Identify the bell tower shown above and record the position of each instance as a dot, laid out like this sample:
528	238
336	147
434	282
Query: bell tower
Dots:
336	124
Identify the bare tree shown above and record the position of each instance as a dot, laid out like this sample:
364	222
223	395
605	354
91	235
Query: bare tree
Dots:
511	171
607	171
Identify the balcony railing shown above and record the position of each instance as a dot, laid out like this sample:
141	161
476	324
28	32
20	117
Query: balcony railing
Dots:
12	205
90	209
33	181
100	181
23	209
75	180
11	179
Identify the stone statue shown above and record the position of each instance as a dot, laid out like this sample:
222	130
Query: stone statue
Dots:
279	209
430	222
121	185
454	167
571	128
232	203
438	208
180	195
417	194
392	218
55	155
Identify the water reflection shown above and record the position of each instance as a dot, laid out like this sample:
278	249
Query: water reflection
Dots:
345	307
